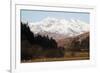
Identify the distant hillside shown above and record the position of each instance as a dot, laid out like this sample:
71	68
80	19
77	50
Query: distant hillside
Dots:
79	42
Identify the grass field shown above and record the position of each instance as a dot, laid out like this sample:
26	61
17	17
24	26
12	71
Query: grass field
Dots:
67	57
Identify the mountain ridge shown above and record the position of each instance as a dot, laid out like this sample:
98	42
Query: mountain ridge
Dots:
59	27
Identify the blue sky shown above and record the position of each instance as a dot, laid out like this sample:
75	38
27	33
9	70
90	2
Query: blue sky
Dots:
37	15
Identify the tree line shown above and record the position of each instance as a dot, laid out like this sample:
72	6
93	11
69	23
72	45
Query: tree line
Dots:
43	41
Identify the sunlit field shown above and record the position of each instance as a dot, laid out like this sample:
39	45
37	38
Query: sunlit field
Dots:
67	57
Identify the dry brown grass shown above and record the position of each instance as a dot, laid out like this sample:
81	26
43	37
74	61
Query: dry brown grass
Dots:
67	57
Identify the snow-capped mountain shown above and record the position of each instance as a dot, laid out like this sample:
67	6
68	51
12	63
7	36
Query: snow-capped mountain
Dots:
54	27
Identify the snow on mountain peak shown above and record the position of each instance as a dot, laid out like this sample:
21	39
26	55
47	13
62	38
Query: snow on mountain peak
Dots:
59	26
